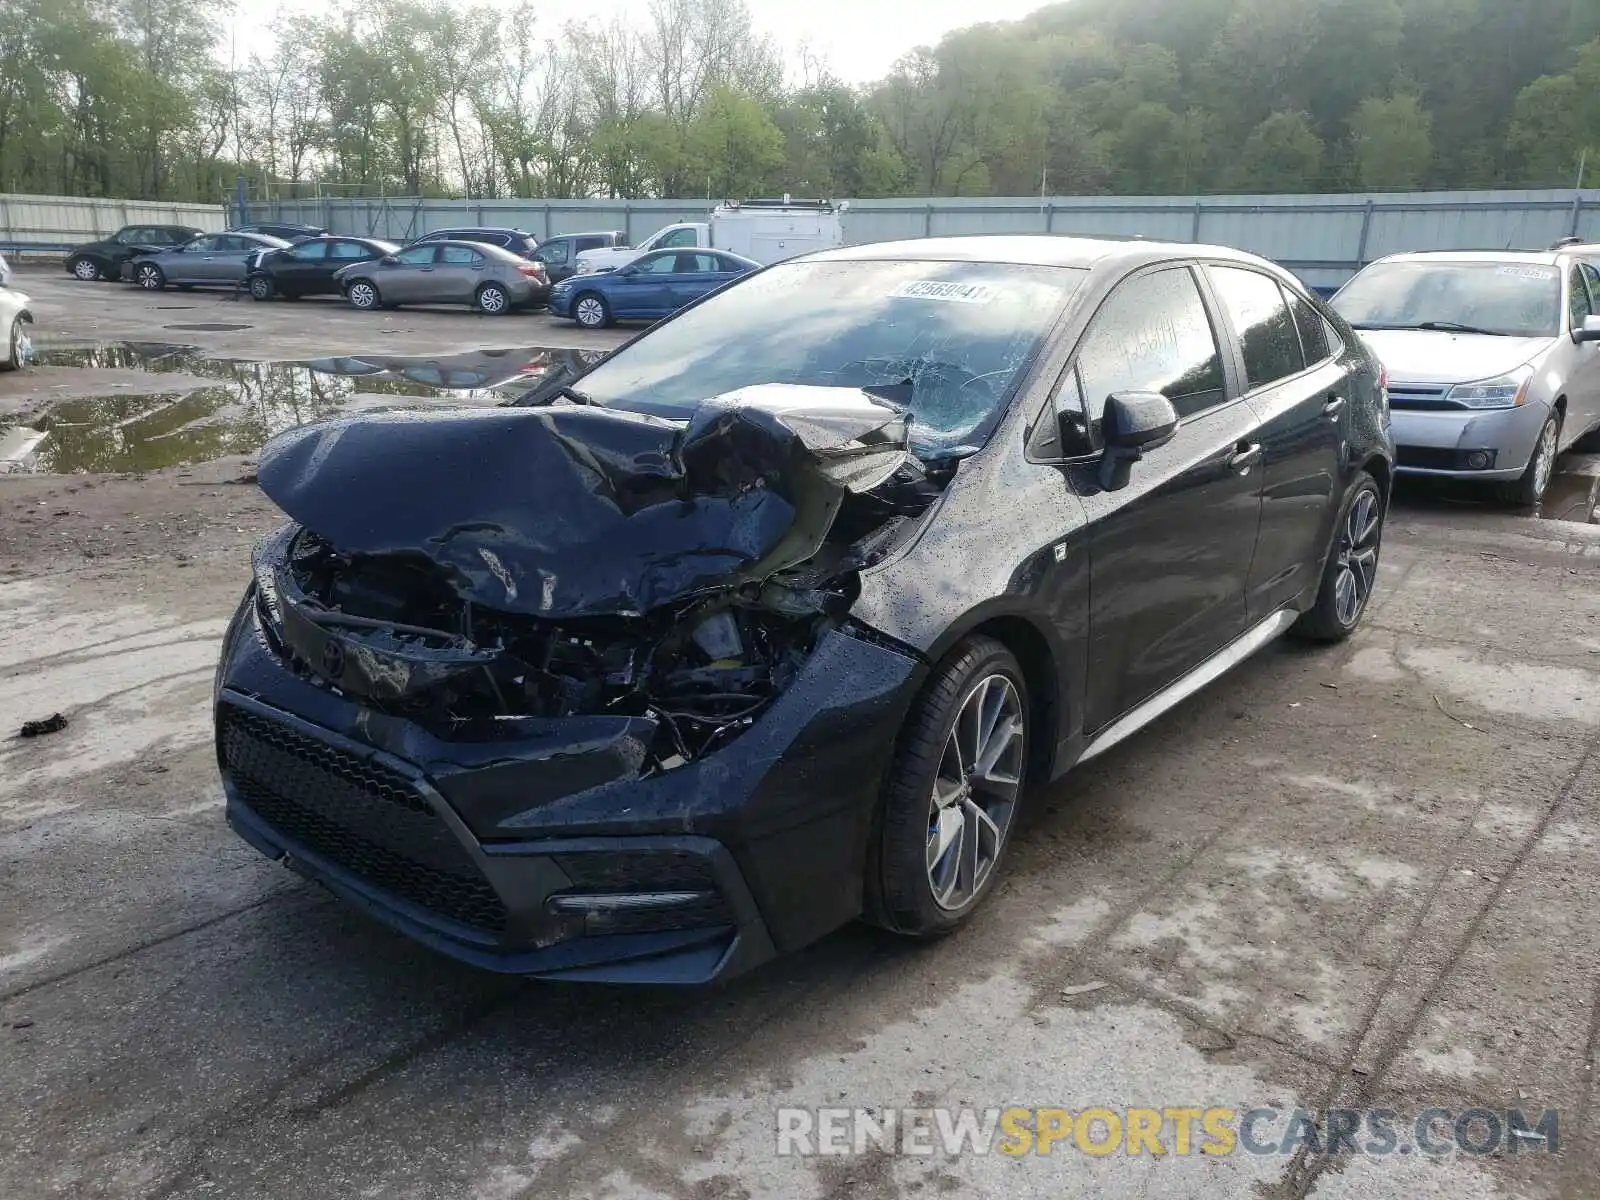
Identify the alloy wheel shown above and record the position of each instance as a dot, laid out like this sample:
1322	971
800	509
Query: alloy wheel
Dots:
363	295
975	791
14	345
492	300
1357	558
261	288
591	313
149	278
85	270
1544	464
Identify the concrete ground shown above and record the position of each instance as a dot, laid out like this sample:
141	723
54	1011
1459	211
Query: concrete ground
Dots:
1361	877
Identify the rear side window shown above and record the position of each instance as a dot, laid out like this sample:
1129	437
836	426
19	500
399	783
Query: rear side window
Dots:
348	251
1254	303
458	255
592	243
680	237
1313	330
554	253
1153	335
417	256
309	252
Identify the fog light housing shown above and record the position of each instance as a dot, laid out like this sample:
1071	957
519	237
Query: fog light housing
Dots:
1479	460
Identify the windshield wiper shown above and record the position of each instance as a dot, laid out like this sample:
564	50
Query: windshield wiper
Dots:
1442	327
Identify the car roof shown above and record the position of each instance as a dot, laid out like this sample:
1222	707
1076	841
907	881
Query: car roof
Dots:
1035	249
482	246
476	229
1543	258
588	233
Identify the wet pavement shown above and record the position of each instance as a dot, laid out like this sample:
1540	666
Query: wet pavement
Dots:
218	406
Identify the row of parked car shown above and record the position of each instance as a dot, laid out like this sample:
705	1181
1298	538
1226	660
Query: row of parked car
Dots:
594	278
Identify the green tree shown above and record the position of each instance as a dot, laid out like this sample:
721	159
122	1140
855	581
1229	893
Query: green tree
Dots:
734	144
1392	142
1282	154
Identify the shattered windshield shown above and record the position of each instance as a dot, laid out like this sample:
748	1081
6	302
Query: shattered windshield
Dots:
948	341
1511	299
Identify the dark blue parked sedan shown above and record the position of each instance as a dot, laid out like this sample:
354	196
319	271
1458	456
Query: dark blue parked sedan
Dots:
655	285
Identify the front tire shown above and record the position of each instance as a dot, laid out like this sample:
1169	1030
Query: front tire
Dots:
150	278
951	796
86	269
1352	567
591	311
493	300
1528	491
261	287
13	359
363	294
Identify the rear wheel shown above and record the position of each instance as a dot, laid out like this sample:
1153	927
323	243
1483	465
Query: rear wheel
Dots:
1352	567
493	299
86	269
1530	489
363	294
149	277
591	311
951	795
261	287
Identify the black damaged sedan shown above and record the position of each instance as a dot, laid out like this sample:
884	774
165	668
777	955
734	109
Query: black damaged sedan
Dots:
771	620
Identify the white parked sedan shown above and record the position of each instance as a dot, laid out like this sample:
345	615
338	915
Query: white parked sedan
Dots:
15	317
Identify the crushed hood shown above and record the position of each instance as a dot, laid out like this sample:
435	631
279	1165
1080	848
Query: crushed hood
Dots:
571	511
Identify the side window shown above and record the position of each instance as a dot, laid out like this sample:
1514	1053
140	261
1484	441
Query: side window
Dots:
1262	321
659	264
310	252
554	253
458	256
1152	335
1578	305
127	237
709	263
417	256
1313	330
1591	276
344	251
592	243
681	237
205	245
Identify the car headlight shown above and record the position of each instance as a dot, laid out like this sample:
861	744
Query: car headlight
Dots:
1507	391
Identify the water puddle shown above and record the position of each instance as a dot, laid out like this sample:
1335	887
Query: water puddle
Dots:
241	405
1572	495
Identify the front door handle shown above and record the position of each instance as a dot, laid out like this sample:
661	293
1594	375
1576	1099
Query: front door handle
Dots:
1333	407
1245	456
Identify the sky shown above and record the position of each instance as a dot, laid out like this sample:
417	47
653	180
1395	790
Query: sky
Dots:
858	39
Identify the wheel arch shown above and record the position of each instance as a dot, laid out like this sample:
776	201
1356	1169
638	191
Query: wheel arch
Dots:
1041	671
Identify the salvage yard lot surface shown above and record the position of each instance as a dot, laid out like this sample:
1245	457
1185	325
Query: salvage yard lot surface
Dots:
1362	877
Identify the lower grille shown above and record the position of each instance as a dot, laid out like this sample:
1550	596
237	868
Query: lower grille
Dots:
363	816
1432	458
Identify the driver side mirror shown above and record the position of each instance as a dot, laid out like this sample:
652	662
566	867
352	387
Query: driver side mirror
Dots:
389	260
627	272
1134	423
1589	331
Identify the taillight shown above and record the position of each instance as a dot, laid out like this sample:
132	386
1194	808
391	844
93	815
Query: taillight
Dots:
532	271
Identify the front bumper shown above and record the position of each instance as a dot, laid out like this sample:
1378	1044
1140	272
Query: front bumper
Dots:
530	856
1429	442
561	302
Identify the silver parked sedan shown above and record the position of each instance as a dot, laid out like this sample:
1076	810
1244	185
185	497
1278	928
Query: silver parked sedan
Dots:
15	317
487	277
211	260
1493	359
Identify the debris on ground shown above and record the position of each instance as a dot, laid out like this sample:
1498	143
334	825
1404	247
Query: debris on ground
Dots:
1083	989
54	723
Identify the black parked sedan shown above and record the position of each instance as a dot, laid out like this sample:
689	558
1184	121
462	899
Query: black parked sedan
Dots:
107	258
307	268
769	620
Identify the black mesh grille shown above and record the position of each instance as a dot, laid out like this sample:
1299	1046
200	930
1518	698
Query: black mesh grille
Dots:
362	816
1430	458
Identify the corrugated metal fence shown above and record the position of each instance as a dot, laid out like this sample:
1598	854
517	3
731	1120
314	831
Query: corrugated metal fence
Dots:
54	223
1323	238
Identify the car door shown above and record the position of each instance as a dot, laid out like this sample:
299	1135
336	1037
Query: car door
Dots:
645	290
410	277
1170	552
338	254
194	262
234	252
1583	385
1300	394
301	269
556	254
697	273
460	270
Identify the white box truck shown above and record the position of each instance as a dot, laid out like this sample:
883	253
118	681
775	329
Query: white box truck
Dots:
766	230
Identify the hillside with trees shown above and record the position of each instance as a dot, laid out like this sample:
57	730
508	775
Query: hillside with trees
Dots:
145	99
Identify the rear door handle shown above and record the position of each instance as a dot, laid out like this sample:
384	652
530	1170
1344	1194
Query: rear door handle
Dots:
1246	455
1333	407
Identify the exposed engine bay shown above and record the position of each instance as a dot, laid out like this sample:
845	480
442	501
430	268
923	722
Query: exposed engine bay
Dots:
569	561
